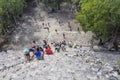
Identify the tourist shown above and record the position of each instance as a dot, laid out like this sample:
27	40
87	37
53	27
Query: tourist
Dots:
70	44
57	47
74	45
56	30
78	29
63	46
33	50
48	51
38	54
59	23
43	24
63	36
35	45
64	42
44	43
42	53
69	26
27	54
47	28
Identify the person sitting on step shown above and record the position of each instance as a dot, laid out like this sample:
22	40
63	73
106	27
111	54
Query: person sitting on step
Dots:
44	43
42	53
27	54
48	51
38	54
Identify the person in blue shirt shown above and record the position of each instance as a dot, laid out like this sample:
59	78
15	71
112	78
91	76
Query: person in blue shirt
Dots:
38	54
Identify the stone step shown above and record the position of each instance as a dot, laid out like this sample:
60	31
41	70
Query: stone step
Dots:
74	64
73	36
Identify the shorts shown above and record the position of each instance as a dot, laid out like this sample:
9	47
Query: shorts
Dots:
27	54
38	58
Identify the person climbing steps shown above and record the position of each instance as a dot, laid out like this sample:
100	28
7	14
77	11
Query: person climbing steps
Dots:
63	35
27	54
69	26
43	24
56	31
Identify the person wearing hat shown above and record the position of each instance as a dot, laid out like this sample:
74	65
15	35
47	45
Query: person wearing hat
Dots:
27	54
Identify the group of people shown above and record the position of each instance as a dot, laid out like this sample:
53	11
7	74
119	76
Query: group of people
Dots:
37	51
59	45
46	26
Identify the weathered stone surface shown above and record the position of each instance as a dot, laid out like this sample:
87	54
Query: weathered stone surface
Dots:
89	66
81	63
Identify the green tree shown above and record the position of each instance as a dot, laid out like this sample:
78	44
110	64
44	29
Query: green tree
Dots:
102	17
9	10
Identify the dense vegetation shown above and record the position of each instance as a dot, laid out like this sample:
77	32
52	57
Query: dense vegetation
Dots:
102	17
9	11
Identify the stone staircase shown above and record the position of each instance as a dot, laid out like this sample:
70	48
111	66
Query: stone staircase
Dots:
74	64
74	36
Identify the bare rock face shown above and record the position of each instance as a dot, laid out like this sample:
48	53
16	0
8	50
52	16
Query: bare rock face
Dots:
96	48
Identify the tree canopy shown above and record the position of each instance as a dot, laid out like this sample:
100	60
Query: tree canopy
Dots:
102	17
9	10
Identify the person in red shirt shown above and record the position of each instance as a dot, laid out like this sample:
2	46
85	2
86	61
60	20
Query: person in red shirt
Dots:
48	51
